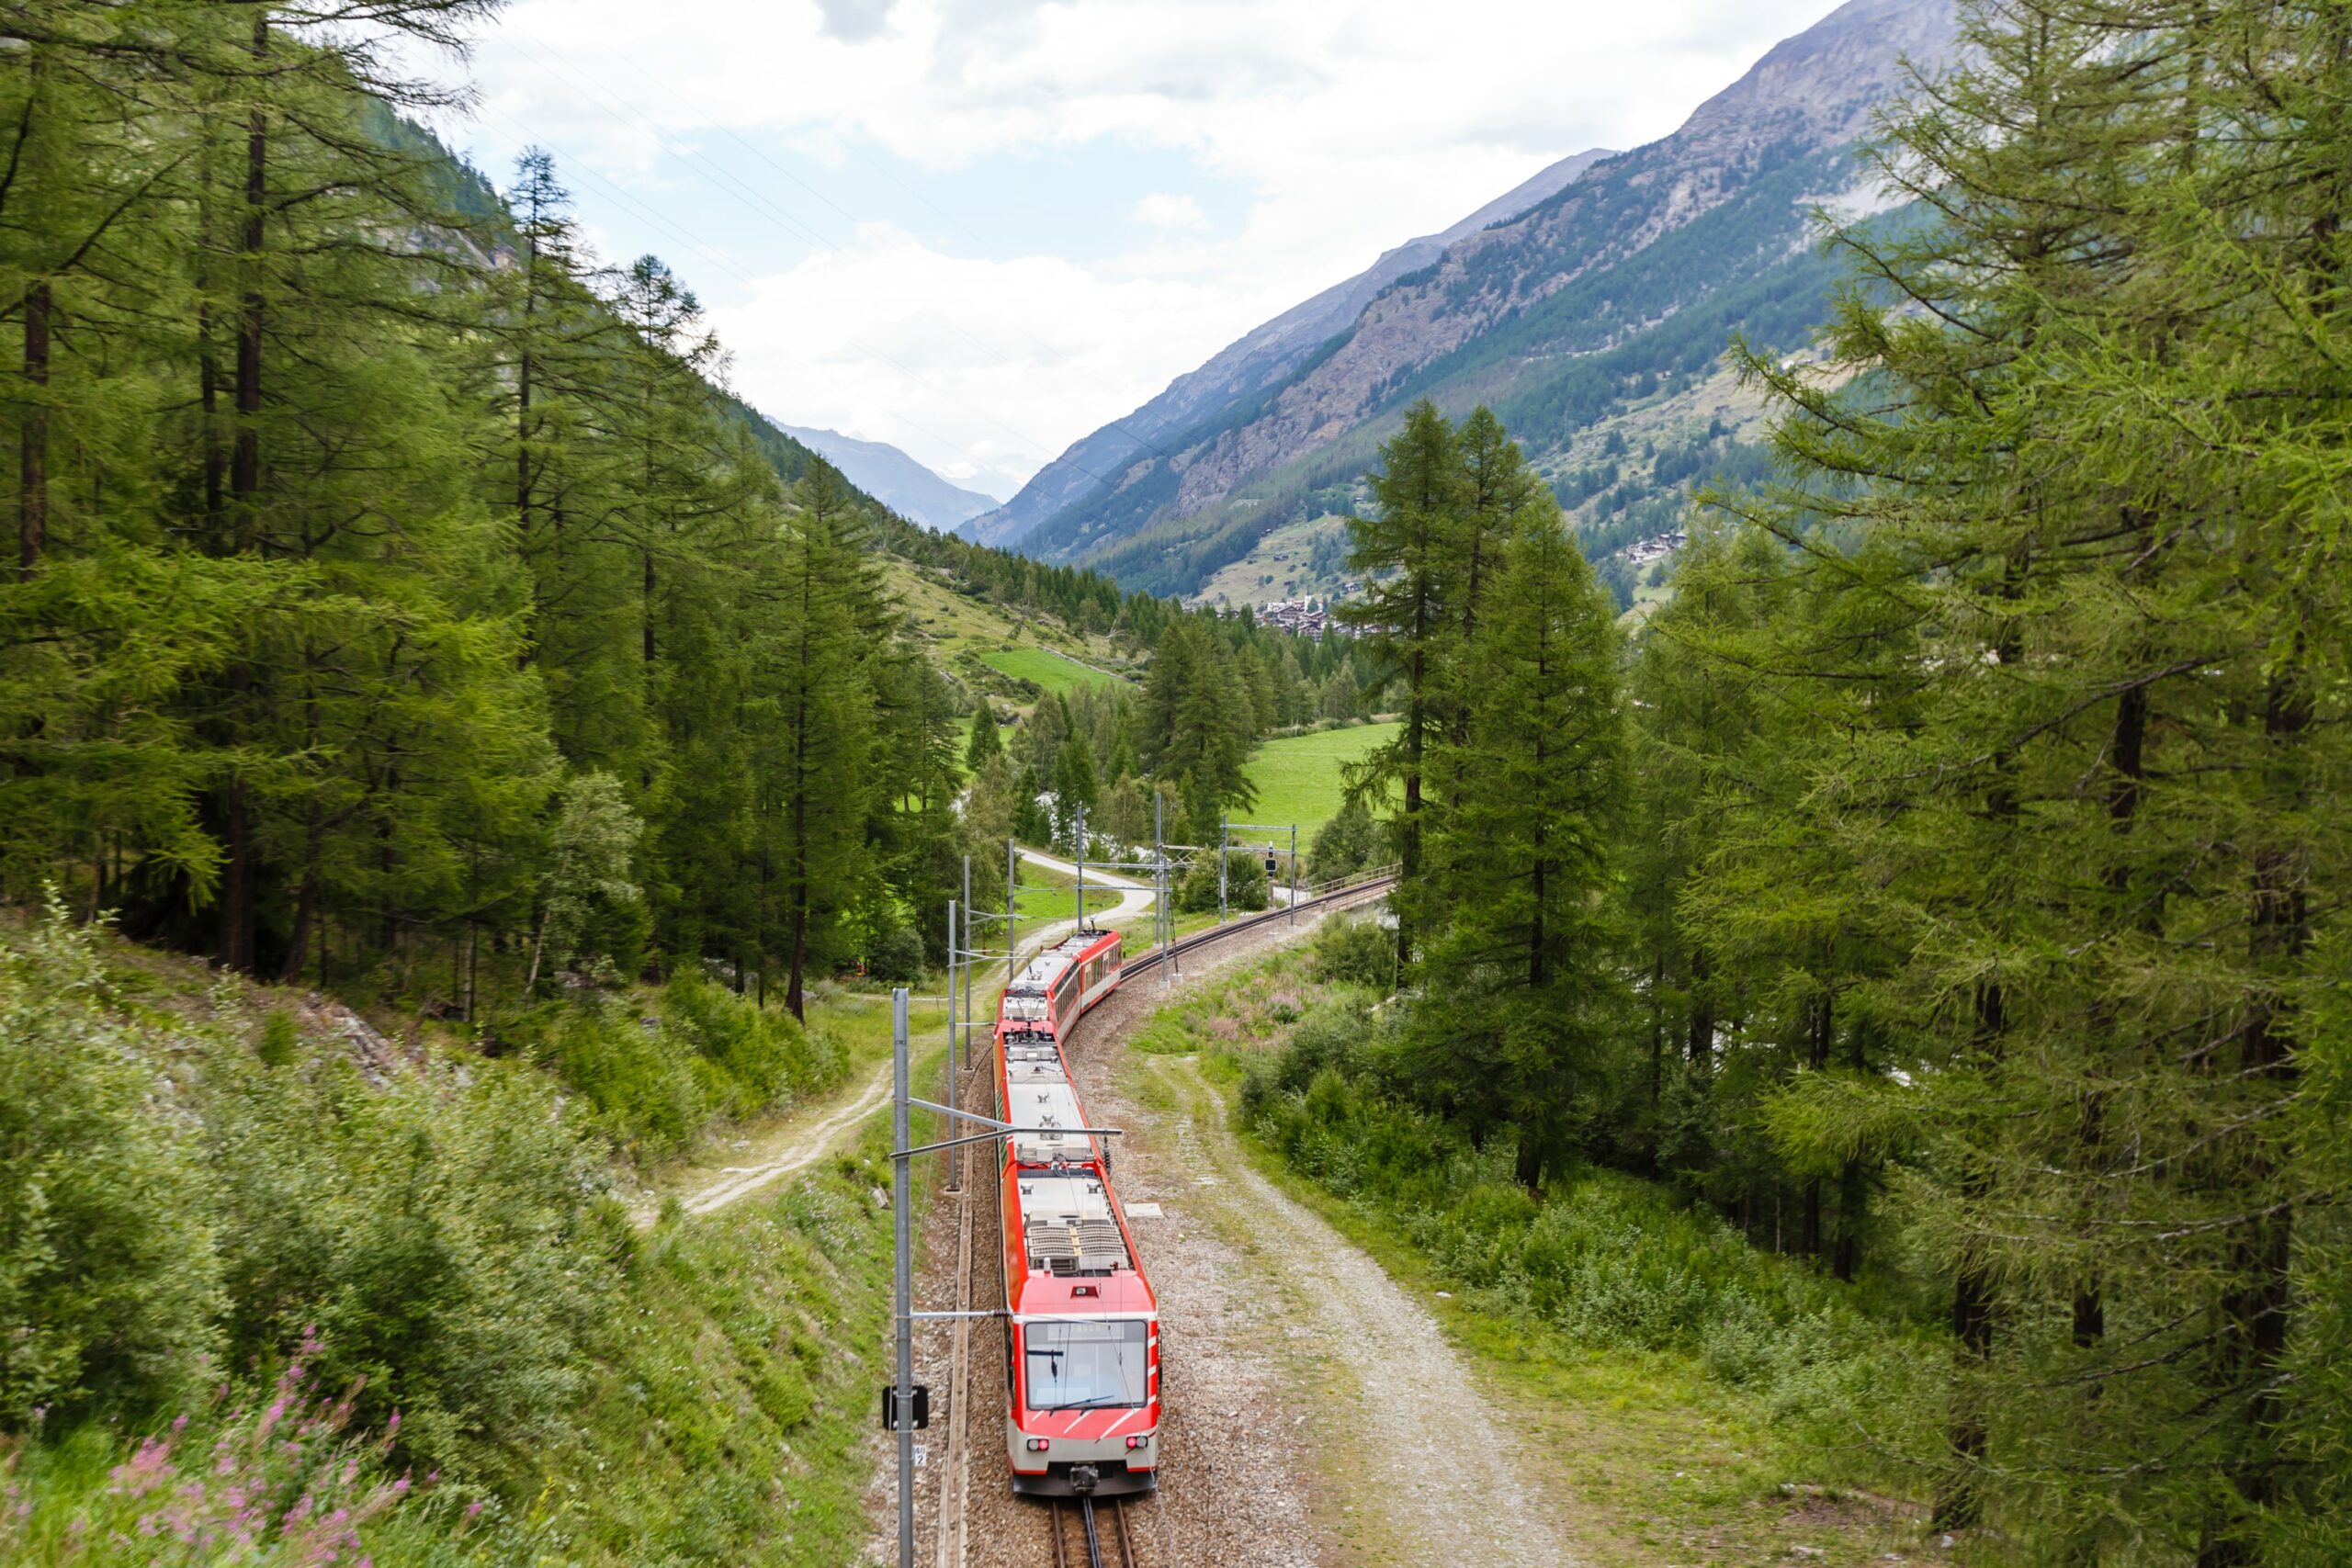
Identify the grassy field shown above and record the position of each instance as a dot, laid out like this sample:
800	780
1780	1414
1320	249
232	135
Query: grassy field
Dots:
1054	671
1298	779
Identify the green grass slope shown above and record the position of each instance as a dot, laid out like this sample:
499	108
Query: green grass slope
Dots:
1298	777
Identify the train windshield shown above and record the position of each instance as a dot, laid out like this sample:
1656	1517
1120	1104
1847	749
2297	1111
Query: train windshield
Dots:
1083	1365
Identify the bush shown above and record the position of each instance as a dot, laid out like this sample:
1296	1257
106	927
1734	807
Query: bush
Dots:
656	1080
1246	884
1355	952
1609	1261
897	958
446	1235
1348	844
108	1283
281	1481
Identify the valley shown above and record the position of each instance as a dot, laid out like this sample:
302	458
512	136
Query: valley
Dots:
1825	1036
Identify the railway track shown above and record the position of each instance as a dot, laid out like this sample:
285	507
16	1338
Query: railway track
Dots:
1078	1537
1083	1532
1337	897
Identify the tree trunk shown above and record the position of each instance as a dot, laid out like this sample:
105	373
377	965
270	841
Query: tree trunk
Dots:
2257	1307
1823	1030
1700	1046
307	912
32	485
1957	1503
239	896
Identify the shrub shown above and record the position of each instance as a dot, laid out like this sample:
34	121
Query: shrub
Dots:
654	1080
108	1284
1355	952
286	1482
1346	844
1246	884
447	1234
897	958
1609	1261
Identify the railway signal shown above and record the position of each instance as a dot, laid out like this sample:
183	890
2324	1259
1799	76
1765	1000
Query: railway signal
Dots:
922	1407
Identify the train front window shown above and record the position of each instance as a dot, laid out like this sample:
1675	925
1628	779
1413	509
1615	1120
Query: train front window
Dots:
1083	1365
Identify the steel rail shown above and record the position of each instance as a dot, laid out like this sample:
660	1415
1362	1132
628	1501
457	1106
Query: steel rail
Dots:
1235	928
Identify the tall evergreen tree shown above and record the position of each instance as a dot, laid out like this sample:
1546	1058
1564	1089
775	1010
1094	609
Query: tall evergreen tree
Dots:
1524	975
1408	554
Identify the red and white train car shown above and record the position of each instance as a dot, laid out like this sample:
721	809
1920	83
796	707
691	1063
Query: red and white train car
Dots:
1082	1325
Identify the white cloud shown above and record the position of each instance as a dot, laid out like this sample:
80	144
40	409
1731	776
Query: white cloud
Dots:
1165	210
1351	129
858	334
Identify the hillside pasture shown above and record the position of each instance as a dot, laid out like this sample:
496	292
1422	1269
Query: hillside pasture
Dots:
1298	776
1056	673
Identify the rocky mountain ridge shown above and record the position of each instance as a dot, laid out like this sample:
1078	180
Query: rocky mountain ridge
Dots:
1620	283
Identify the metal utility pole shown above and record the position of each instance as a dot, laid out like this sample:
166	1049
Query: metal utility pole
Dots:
1224	838
1012	911
902	1405
1294	874
1081	868
1163	929
955	1168
971	952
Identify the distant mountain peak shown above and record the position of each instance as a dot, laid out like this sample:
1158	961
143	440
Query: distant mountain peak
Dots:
1257	358
893	479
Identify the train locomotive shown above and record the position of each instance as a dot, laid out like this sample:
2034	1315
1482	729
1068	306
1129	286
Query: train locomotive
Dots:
1081	1325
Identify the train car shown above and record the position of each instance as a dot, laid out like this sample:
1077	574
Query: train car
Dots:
1060	984
1082	1405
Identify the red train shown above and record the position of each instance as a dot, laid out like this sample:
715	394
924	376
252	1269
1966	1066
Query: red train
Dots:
1081	1325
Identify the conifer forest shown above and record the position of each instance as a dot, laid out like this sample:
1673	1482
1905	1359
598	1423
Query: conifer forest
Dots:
1899	965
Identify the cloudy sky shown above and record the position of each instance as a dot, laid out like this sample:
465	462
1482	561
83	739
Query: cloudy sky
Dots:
979	229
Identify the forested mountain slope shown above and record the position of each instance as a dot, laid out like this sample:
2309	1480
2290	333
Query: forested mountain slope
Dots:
1610	296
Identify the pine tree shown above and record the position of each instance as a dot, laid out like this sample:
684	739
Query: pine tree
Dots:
1525	997
984	743
2109	757
1408	554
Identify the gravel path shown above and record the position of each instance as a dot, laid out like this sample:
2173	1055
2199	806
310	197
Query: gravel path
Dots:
1430	1470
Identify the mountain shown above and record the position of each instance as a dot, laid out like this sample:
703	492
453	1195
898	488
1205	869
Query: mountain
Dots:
1250	364
892	477
1593	319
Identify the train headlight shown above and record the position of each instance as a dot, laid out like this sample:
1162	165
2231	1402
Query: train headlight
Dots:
1039	1445
1140	1441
